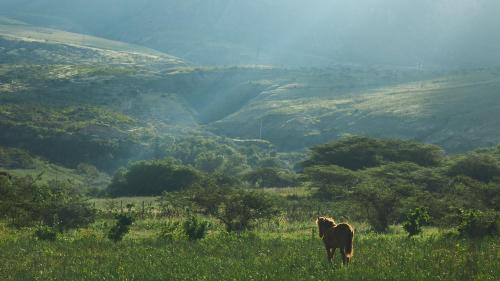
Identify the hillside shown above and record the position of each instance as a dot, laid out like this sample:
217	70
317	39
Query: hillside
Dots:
24	43
458	110
285	32
105	103
73	98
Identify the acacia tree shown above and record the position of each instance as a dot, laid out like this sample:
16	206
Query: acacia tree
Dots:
380	204
55	205
332	181
481	167
150	178
237	209
357	152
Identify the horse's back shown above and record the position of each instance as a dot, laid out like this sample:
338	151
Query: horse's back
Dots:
339	236
345	228
344	233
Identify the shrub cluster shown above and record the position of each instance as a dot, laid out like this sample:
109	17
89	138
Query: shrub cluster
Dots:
475	223
191	228
386	178
55	205
152	178
415	220
121	228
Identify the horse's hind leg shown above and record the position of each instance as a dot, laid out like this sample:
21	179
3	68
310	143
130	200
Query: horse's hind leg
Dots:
345	259
330	252
332	256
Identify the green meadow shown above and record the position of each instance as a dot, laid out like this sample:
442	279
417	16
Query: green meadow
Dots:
286	252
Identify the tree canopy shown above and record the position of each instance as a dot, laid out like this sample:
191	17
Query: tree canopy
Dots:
152	178
357	152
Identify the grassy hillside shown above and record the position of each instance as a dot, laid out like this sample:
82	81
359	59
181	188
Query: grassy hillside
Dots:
106	103
458	110
73	98
23	43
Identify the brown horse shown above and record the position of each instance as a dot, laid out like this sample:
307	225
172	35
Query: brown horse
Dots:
336	236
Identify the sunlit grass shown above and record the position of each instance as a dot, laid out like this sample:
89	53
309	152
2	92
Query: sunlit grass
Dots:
293	255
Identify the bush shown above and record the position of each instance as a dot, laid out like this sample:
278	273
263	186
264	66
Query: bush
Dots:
152	178
195	229
237	209
171	231
46	233
415	220
69	216
476	224
191	229
55	204
121	228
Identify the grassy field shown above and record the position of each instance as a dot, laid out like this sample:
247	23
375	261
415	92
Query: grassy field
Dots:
287	252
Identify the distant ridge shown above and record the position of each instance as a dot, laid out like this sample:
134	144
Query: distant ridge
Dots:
11	29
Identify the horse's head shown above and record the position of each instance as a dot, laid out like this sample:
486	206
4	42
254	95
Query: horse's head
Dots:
324	224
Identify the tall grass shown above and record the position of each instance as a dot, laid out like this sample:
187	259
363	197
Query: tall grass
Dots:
85	255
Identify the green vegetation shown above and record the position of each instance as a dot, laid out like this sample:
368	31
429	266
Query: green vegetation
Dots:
479	166
68	136
15	159
389	178
30	44
439	108
118	231
356	153
265	255
195	229
20	163
415	220
271	177
478	223
215	154
55	205
236	209
150	178
208	230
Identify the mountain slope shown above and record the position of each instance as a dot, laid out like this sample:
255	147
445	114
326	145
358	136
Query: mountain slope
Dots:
23	43
285	32
74	99
105	103
458	111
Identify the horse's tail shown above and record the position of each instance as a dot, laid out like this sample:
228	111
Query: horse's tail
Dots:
349	250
